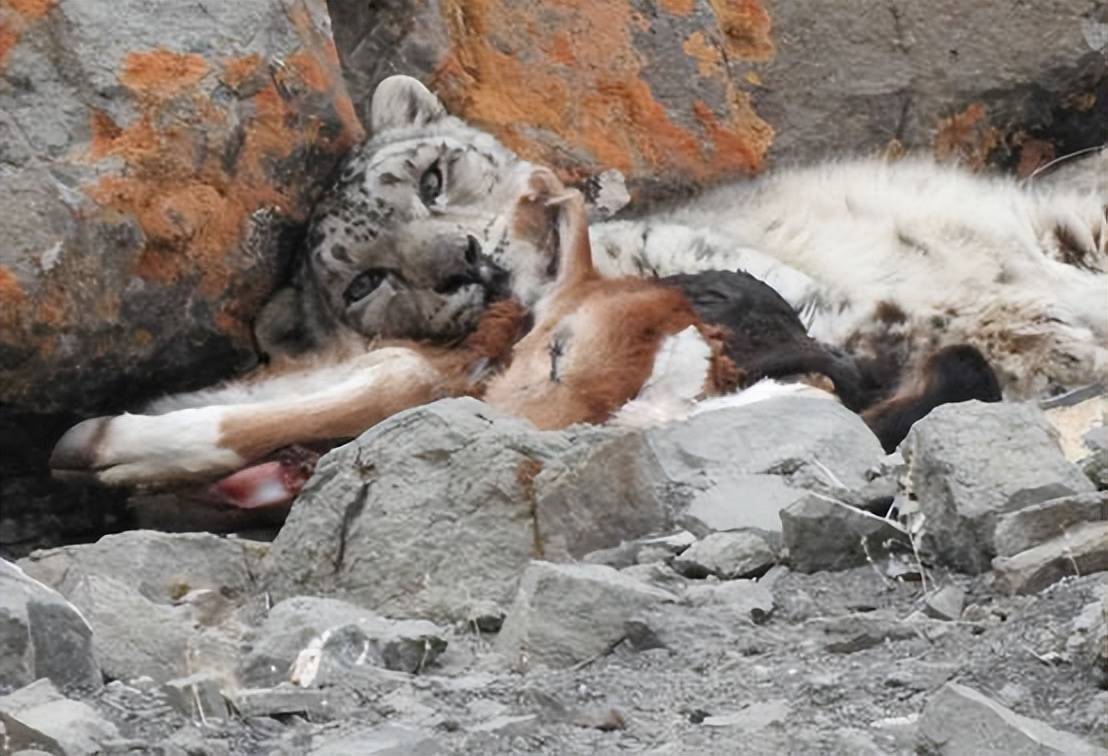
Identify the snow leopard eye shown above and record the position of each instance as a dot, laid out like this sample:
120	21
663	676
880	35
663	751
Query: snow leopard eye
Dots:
364	284
430	184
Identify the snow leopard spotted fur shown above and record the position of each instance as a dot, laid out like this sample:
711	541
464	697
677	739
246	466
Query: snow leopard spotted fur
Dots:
885	259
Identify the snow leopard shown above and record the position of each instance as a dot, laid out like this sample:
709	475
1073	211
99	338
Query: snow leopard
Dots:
888	260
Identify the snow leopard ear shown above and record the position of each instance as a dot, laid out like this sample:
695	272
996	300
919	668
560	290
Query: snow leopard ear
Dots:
400	102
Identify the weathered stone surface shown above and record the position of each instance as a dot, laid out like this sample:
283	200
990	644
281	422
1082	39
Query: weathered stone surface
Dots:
284	699
727	555
810	443
397	521
386	740
741	501
751	600
1020	530
946	603
960	720
970	463
642	550
297	632
37	716
825	534
567	613
155	601
42	636
1081	550
654	93
163	567
382	500
199	696
850	633
153	158
683	91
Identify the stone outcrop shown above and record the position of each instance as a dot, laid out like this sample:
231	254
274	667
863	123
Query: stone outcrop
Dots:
153	161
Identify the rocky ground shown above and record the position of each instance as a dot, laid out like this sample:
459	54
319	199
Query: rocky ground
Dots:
755	580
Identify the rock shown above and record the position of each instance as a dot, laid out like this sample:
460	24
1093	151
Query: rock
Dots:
960	720
972	462
415	532
285	699
299	632
850	633
741	501
132	635
198	696
1081	550
822	533
1027	527
642	550
387	740
727	555
42	636
38	716
150	196
1095	467
754	717
661	104
750	600
945	603
719	78
162	567
156	601
809	443
567	613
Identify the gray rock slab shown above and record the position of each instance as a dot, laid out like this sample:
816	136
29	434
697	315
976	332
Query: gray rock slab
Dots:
386	740
566	613
946	603
42	635
441	507
822	533
79	228
132	635
1027	527
961	720
199	696
162	567
850	633
1081	550
38	716
751	600
970	463
727	555
734	502
286	699
344	633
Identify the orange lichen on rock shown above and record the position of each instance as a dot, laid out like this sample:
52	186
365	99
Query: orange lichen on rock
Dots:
746	28
162	74
11	297
967	137
564	84
196	170
15	17
678	7
709	59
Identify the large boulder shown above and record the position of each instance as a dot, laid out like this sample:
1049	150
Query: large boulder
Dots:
42	635
971	463
153	159
158	603
441	507
688	91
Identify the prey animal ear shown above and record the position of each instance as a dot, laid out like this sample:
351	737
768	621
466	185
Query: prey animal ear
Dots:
401	102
